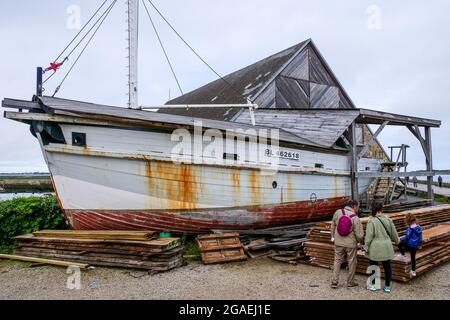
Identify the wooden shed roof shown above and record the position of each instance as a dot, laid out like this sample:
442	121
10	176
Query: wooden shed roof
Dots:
238	86
323	127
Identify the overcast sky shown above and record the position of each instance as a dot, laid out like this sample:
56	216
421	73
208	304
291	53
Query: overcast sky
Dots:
389	55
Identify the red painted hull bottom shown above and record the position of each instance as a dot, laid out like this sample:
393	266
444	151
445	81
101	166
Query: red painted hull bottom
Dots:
204	221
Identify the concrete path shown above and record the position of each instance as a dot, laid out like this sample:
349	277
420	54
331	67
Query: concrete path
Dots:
445	192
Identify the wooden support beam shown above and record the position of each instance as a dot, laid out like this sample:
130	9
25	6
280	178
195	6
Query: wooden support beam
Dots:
371	141
429	162
416	132
45	261
19	104
354	163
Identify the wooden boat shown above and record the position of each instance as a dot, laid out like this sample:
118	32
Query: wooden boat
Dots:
114	168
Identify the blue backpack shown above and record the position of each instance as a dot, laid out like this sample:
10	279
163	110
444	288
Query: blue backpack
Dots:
413	237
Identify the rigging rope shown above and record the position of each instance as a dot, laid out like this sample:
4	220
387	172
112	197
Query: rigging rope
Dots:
193	50
101	20
163	48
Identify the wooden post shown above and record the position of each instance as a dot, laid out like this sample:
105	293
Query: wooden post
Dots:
429	158
354	163
39	81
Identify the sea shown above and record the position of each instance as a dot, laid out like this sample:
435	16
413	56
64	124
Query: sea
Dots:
9	196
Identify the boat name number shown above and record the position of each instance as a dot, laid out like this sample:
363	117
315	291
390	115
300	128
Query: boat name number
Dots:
283	154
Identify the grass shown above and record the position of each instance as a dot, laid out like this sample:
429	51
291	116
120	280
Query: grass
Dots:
192	248
441	199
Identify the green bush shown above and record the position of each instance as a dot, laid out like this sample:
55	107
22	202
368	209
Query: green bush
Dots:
25	215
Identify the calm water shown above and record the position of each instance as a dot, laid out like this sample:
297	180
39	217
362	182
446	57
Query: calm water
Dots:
9	196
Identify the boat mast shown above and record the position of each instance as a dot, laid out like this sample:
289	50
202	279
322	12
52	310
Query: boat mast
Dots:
133	21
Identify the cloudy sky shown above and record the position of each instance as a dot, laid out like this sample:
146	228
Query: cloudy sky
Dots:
389	55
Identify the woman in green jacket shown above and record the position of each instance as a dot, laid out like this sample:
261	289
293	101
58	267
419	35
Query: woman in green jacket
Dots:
380	233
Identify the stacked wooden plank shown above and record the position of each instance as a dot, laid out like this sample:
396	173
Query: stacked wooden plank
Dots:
102	235
137	250
221	247
435	249
283	244
407	205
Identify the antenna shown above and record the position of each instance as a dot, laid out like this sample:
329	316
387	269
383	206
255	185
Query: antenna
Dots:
133	32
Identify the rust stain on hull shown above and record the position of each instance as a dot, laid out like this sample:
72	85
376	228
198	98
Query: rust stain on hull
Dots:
236	185
173	186
254	185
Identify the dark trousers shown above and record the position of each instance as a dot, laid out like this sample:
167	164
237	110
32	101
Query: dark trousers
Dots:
387	271
404	245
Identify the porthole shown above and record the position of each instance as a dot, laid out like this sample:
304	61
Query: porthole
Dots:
274	184
79	139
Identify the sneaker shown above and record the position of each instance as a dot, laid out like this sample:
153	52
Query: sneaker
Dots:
387	289
334	285
401	257
413	273
372	288
352	285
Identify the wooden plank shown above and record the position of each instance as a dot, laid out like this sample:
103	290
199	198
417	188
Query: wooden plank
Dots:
20	104
372	140
324	96
363	174
416	132
218	235
45	261
354	163
373	116
220	256
106	235
162	243
429	156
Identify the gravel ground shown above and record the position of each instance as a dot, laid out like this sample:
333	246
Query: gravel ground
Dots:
252	280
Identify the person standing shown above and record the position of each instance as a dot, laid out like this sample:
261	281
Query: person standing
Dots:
380	233
440	180
346	233
415	181
412	241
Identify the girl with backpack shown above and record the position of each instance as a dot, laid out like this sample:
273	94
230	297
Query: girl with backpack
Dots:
412	241
380	233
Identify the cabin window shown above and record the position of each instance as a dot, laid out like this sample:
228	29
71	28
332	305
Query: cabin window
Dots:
367	168
319	166
230	156
274	185
79	139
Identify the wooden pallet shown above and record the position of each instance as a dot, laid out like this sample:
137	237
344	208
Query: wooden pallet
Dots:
221	247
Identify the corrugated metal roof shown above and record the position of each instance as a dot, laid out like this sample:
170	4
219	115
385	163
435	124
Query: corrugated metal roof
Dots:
245	83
